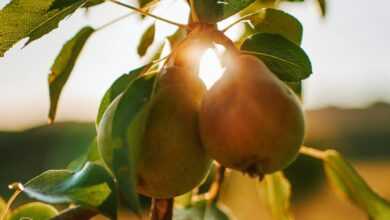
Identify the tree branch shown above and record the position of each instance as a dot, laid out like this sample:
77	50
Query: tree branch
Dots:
162	209
148	14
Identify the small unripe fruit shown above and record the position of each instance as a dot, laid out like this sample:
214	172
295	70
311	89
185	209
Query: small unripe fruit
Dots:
251	121
171	160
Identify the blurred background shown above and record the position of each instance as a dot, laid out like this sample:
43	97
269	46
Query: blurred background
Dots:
346	99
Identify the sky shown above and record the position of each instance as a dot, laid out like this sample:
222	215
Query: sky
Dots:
349	50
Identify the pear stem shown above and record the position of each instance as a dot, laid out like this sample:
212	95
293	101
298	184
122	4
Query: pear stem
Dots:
194	16
148	14
162	209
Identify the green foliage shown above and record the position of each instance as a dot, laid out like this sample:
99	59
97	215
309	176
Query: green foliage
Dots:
125	133
142	3
61	4
212	11
200	210
284	58
184	200
34	211
92	3
76	213
92	155
278	193
275	21
207	183
296	87
119	85
92	187
2	205
63	66
146	40
346	180
176	37
30	18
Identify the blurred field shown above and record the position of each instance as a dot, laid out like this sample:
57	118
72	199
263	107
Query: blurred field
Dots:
363	135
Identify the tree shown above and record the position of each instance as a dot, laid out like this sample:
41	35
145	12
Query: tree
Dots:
158	104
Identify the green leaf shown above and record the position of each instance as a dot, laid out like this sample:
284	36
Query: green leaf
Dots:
296	87
61	4
200	210
63	66
122	132
92	3
92	187
76	213
117	88
2	205
275	21
92	155
208	182
346	180
278	193
177	37
30	18
146	40
183	200
119	85
283	57
142	3
128	124
34	211
212	11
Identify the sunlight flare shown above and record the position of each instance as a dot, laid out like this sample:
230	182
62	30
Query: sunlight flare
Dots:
210	68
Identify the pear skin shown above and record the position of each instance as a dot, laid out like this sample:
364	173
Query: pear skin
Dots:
251	121
173	160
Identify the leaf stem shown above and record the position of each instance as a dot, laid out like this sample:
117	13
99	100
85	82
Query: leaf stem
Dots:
312	152
162	209
143	12
215	189
113	21
19	188
240	19
146	7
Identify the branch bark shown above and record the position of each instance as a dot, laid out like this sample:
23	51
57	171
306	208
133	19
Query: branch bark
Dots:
162	209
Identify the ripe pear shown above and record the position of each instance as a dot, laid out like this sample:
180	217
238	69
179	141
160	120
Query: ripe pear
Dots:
171	160
251	121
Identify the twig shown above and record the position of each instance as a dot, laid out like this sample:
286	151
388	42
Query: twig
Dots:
114	21
241	19
162	209
312	152
148	14
146	7
215	189
18	189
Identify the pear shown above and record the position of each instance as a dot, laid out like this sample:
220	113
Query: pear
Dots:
171	160
251	121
